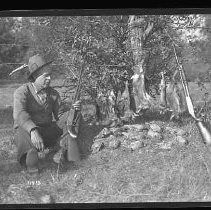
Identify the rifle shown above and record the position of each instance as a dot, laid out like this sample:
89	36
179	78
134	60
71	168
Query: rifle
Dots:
205	133
74	117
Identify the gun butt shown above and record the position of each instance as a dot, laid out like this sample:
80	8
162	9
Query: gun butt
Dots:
205	133
73	153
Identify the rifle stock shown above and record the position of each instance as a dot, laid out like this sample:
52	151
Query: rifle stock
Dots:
205	133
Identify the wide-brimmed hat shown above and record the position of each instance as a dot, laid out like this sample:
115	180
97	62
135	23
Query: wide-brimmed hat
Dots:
36	63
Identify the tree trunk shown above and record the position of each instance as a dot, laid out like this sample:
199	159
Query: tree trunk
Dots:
139	30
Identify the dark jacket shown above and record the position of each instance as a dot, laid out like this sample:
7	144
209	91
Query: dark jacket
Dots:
29	112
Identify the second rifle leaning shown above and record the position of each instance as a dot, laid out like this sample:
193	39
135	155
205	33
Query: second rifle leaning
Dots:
204	131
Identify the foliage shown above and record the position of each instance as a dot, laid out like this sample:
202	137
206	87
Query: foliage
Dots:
167	29
10	52
102	45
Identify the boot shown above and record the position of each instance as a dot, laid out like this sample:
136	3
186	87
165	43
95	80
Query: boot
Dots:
32	161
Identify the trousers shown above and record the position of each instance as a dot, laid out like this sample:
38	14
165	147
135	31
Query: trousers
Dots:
50	133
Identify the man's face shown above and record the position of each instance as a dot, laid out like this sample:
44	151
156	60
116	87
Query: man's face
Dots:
44	79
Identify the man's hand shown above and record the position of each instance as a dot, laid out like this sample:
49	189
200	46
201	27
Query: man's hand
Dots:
37	140
77	105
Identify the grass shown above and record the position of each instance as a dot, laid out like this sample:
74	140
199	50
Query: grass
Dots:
150	174
6	95
120	176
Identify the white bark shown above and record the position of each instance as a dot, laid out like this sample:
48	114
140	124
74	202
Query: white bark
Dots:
138	35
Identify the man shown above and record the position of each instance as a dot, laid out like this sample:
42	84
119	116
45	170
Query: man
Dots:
36	107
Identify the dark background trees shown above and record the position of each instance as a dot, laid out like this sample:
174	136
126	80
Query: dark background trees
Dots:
103	44
12	46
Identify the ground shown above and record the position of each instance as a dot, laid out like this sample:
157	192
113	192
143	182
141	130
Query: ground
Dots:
161	170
